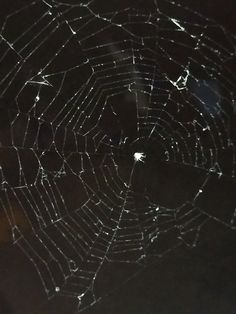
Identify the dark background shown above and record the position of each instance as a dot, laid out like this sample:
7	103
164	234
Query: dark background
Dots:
186	281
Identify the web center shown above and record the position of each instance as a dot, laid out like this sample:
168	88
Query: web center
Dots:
139	157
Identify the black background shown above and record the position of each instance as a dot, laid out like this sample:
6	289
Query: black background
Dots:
187	281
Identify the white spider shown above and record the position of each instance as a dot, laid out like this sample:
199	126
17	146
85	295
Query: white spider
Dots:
139	157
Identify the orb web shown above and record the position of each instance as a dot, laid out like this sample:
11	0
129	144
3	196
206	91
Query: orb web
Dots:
87	91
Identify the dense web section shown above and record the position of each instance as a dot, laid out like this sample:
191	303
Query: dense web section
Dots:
99	106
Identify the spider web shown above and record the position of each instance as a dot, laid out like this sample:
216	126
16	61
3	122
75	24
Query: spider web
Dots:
83	89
